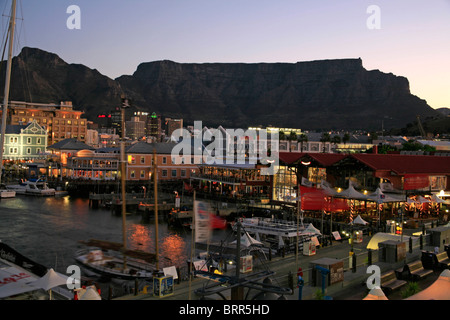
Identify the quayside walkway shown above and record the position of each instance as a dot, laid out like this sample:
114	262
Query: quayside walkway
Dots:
353	286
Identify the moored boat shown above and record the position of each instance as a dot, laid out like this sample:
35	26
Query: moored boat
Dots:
30	187
108	259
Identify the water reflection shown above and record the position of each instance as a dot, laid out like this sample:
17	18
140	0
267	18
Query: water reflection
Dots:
170	245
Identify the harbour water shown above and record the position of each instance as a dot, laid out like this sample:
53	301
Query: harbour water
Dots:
47	230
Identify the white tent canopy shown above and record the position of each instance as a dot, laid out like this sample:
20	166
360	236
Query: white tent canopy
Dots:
379	197
50	280
247	240
436	199
310	229
376	294
90	293
359	220
439	290
421	199
351	193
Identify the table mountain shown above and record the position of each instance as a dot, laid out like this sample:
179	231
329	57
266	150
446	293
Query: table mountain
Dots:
324	94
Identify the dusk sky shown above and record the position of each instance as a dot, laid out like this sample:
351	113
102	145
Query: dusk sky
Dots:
412	38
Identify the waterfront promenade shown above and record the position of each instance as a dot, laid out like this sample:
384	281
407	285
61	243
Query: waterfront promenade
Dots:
353	287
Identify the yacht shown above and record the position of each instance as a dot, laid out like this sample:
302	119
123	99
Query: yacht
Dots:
30	187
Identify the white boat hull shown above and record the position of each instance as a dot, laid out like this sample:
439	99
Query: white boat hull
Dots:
7	194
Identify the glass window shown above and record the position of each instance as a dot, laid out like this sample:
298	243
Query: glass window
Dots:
174	172
164	173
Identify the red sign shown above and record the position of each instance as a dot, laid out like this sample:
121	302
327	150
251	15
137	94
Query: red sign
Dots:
415	181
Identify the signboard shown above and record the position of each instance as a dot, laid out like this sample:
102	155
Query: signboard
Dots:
415	181
246	264
337	272
336	235
315	241
163	286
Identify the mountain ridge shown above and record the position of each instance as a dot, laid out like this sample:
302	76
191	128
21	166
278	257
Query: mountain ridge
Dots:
319	94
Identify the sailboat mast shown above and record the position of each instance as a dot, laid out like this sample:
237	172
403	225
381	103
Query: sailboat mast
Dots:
122	178
12	24
155	185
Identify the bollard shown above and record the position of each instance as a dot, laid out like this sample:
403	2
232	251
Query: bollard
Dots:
136	287
354	263
369	257
291	281
179	275
300	284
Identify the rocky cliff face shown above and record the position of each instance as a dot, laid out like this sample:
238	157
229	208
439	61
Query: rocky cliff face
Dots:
326	94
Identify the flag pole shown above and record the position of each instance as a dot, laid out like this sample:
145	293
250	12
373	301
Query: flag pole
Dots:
192	246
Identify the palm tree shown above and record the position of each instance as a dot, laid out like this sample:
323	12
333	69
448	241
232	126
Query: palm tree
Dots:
302	138
325	138
346	138
335	140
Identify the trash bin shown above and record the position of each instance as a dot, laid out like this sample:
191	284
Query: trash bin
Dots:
163	286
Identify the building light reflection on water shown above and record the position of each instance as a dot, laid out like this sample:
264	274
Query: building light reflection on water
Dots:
171	245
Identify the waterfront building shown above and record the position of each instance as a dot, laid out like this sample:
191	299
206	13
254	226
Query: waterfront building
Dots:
394	177
60	121
61	152
140	162
25	142
100	164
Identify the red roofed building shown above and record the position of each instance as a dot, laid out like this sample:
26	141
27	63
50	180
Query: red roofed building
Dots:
422	173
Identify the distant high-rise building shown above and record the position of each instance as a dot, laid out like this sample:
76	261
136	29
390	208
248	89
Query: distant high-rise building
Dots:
172	125
135	128
154	128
